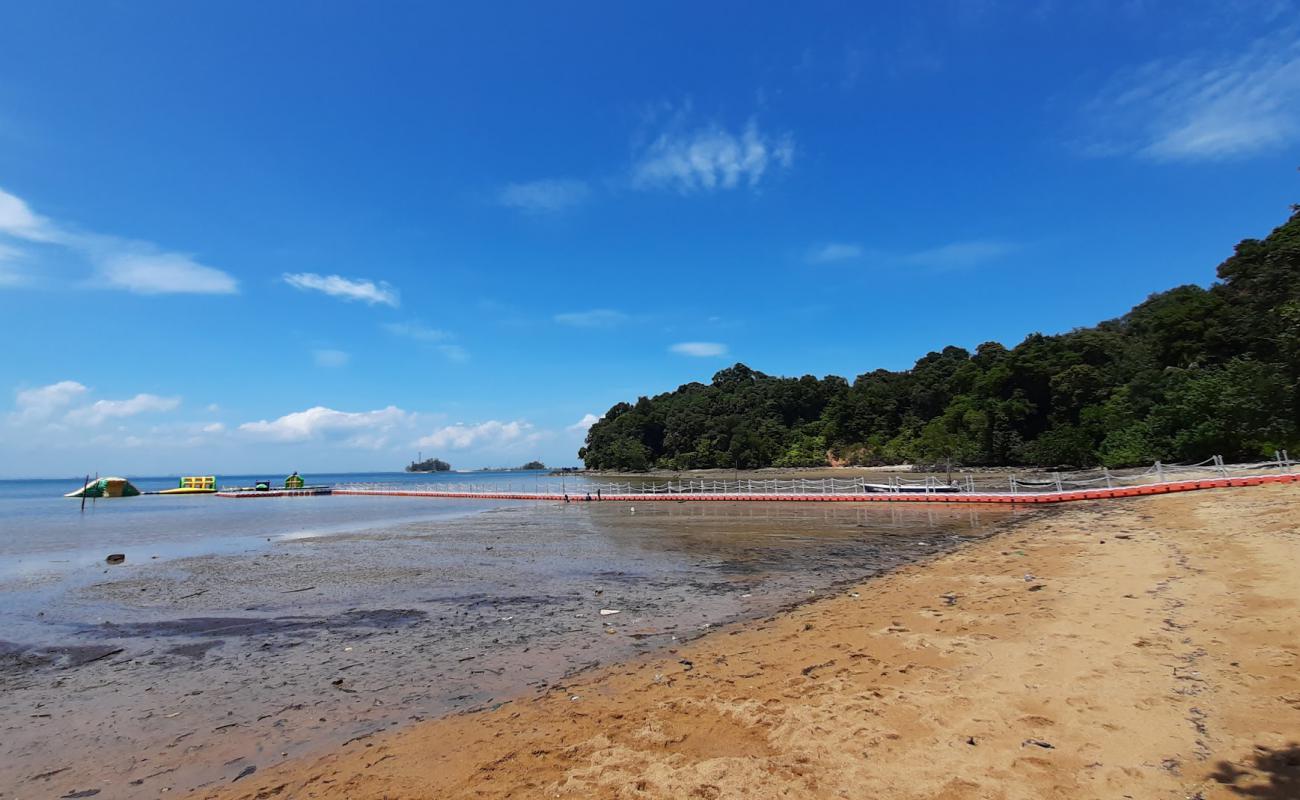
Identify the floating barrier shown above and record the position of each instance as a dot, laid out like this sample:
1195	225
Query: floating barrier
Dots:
581	495
306	491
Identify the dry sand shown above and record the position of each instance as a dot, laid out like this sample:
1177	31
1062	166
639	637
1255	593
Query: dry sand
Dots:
1145	648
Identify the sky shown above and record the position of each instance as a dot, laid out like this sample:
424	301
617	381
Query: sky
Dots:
239	237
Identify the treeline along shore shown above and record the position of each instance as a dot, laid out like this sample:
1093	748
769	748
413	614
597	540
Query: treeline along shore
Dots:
1188	373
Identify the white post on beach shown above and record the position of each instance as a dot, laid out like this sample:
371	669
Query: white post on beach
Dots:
1106	471
1056	476
1160	472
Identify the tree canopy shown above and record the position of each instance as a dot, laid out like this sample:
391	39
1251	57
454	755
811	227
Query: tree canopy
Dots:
1188	373
429	465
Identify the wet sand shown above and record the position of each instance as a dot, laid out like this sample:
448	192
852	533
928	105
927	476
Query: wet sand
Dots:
166	676
1144	648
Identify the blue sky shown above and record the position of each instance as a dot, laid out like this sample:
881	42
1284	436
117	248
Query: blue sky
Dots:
249	236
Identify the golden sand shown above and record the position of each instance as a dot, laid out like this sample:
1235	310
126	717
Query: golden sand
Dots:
1145	648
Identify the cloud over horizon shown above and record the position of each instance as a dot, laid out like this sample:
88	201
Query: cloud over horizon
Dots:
355	428
492	433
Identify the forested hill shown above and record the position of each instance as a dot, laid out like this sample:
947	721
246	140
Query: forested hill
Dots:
1187	374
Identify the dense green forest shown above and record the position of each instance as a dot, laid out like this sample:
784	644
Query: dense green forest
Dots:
1189	373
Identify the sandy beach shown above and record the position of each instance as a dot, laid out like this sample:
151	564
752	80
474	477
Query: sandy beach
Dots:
1145	648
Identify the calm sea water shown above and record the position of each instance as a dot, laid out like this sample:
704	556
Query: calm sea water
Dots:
44	534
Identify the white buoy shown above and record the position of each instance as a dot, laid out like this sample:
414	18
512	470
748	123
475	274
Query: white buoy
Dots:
632	509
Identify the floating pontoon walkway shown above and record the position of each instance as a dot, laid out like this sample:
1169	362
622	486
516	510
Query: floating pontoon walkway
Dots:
306	491
902	495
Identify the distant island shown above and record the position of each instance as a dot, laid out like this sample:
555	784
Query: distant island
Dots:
531	465
429	465
1187	374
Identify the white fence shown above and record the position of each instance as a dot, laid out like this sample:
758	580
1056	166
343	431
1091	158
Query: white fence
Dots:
963	482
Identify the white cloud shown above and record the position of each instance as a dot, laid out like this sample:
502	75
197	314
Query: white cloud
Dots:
710	158
11	274
1202	108
416	331
485	434
584	424
962	255
348	289
331	358
19	221
835	251
38	404
544	196
135	266
699	349
140	269
595	318
214	427
103	410
453	352
365	428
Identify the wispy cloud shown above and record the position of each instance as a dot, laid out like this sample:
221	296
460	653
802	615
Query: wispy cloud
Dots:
436	338
141	268
11	271
43	402
699	349
416	331
103	410
132	265
544	196
962	255
368	429
349	289
19	221
583	425
1204	107
485	434
595	318
331	358
709	158
454	352
835	251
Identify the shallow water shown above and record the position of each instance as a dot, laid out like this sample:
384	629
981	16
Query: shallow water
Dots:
185	670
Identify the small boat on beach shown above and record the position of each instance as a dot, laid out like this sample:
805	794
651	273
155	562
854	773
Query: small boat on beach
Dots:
904	488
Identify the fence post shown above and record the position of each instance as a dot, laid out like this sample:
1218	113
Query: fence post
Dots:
1056	476
1011	481
1106	471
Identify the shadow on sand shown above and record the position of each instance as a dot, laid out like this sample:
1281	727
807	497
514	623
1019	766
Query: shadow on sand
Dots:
1280	768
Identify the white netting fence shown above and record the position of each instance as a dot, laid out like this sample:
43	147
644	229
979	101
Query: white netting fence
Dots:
960	482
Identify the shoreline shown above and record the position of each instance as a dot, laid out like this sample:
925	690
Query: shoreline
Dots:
168	675
1145	647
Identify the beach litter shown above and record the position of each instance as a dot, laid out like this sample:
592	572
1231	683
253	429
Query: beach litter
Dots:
115	558
607	612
